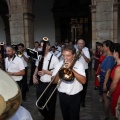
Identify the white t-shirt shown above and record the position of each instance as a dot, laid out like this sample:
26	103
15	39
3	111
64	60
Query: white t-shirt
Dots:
25	54
21	114
14	65
73	87
54	62
87	54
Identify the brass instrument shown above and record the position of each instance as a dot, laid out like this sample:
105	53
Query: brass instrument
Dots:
10	96
64	74
40	65
2	65
19	54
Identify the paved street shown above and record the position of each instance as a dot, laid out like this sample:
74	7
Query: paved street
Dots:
93	110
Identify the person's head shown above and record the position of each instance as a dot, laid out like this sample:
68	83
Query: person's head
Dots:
36	44
70	43
101	48
69	53
108	46
66	43
10	51
41	43
20	47
53	48
81	43
62	46
55	43
116	53
98	45
47	45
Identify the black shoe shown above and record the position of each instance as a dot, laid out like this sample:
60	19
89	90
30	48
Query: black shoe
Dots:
83	104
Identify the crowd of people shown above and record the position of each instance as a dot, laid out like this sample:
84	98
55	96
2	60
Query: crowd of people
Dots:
105	63
106	67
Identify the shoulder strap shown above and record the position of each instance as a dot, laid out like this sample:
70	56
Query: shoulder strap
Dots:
50	62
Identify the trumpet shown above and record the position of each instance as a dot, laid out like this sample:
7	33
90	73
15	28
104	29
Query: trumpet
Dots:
64	74
19	54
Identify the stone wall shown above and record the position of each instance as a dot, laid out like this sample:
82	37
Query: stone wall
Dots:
21	22
104	20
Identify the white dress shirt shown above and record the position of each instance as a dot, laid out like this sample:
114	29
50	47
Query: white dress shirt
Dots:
21	114
14	65
56	53
54	62
73	87
87	54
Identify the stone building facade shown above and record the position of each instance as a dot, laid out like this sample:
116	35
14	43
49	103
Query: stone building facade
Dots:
104	21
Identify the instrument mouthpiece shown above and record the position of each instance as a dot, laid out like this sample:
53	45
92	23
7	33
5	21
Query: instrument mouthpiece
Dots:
45	38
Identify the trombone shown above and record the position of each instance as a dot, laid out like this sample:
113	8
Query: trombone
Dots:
64	74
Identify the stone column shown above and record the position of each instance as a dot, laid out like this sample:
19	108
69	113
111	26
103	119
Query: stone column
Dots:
28	30
21	22
93	11
115	21
16	21
104	20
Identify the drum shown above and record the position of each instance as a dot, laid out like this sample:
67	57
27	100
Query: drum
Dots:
10	96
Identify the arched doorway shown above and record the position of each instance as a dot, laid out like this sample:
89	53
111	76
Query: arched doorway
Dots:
5	18
72	20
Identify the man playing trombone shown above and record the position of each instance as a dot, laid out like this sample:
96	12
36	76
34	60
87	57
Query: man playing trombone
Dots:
48	64
69	90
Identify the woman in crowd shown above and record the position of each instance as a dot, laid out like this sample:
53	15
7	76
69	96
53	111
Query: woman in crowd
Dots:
114	91
101	58
105	80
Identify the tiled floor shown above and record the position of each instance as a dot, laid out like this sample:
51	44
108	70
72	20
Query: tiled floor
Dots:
93	110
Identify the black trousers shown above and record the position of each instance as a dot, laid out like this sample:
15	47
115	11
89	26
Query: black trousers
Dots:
49	111
24	84
70	106
84	91
32	72
19	84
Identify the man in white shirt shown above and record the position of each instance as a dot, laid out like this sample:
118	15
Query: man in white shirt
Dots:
14	65
55	52
25	59
57	47
84	59
48	64
69	91
37	47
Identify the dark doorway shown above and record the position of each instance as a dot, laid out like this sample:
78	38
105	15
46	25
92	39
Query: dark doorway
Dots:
72	20
4	13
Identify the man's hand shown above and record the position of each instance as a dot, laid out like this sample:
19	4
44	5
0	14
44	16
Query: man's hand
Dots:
35	80
43	72
10	73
